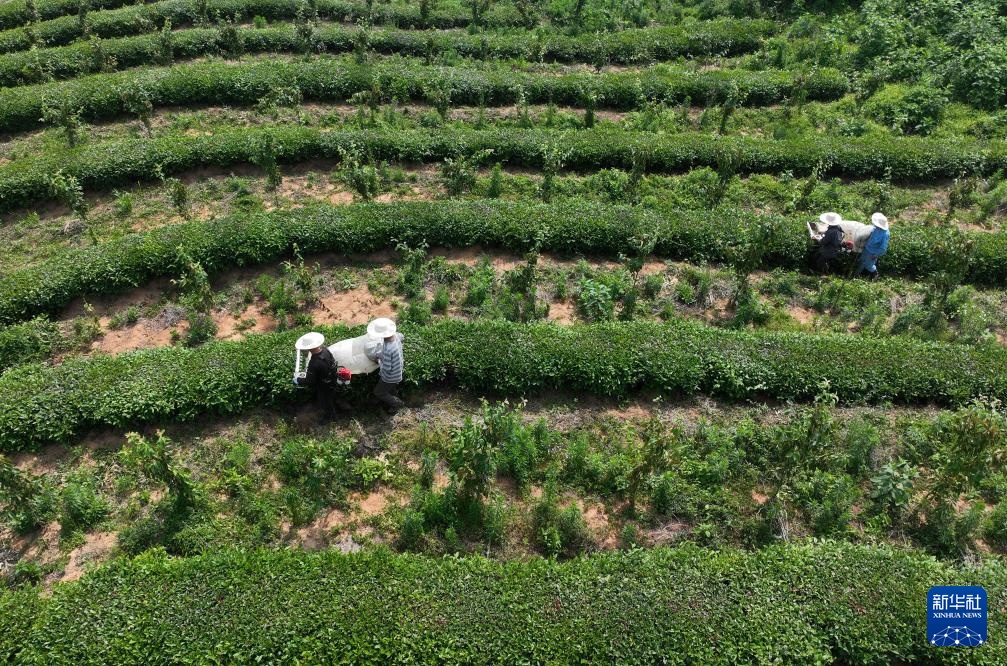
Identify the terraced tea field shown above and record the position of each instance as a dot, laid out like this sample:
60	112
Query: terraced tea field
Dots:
640	425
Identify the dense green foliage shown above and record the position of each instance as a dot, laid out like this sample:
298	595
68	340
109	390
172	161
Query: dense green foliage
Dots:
27	342
642	45
789	604
569	227
105	165
40	405
16	12
739	480
597	15
144	18
941	45
775	473
337	79
18	612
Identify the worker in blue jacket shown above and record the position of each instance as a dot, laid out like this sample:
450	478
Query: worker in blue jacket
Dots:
875	247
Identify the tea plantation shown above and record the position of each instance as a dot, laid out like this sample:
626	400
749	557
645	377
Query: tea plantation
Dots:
644	420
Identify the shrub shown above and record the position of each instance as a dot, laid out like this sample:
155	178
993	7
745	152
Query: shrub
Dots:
28	342
594	300
818	603
685	293
411	529
893	485
721	36
428	469
265	155
652	285
338	79
315	472
459	173
196	296
27	500
156	460
178	192
40	405
123	204
558	531
114	163
862	438
994	528
968	444
666	494
570	227
827	501
441	301
940	527
357	173
417	312
480	284
495	187
81	506
61	113
553	159
26	572
909	110
67	189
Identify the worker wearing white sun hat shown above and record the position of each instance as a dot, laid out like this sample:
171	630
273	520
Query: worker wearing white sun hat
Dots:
831	242
875	247
323	375
385	347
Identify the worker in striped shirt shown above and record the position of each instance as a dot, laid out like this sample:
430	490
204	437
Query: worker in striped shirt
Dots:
385	347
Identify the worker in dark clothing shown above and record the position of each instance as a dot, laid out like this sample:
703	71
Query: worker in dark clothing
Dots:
325	377
831	243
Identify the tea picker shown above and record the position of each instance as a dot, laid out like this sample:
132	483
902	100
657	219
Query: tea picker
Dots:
832	236
875	246
385	347
329	370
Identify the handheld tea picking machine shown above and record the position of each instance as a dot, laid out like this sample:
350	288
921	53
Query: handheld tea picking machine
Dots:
350	356
831	236
854	234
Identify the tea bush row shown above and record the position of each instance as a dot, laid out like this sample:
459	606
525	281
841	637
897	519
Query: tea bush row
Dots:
727	37
329	79
15	13
144	18
40	405
794	604
567	227
101	166
136	19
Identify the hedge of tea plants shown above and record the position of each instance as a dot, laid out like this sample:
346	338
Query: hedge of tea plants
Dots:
142	18
65	27
643	45
16	12
28	341
327	79
104	165
137	19
40	405
570	226
794	604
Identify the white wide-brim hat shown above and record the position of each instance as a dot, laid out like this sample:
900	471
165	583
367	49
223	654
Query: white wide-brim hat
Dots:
830	218
310	341
880	221
382	327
